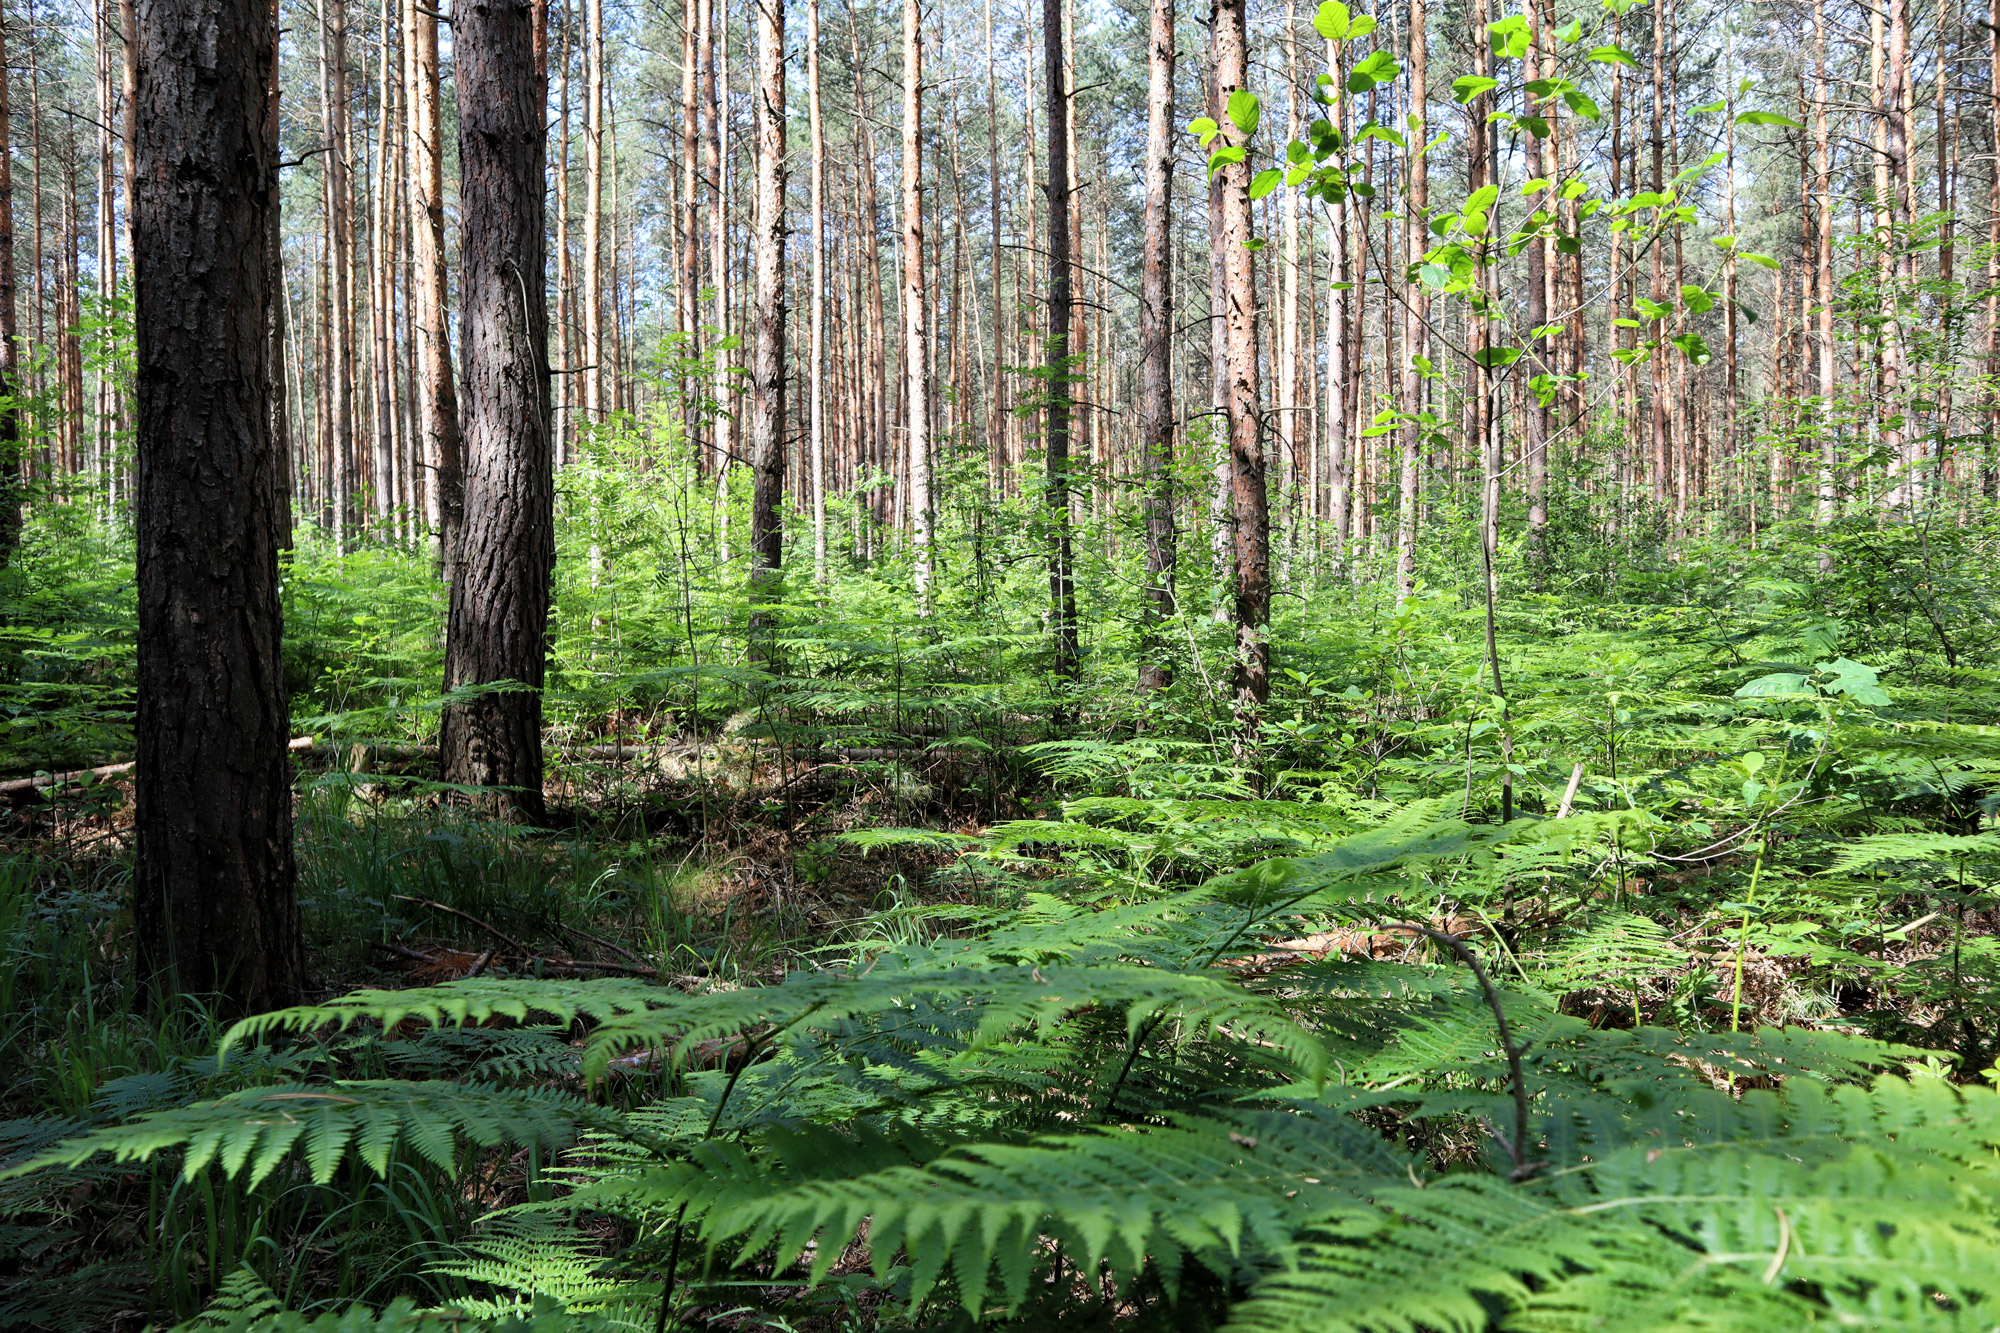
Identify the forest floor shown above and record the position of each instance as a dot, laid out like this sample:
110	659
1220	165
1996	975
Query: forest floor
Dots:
829	911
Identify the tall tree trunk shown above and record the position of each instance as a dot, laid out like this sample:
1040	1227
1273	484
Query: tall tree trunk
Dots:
382	279
767	367
593	212
1829	492
338	181
281	431
687	302
10	363
1156	329
1535	444
1897	440
1416	312
438	401
916	306
1055	411
213	888
498	630
1251	680
816	331
1989	470
1661	417
998	459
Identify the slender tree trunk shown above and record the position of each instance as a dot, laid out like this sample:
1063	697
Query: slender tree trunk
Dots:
1541	348
767	370
1416	314
1989	471
1897	441
816	332
438	401
10	362
593	212
1829	492
382	278
998	458
1056	408
916	307
213	888
338	160
1251	682
498	629
1156	328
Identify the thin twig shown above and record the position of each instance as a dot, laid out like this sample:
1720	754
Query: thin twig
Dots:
506	939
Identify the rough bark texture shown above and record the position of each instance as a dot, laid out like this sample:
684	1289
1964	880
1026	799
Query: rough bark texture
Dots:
500	600
767	363
1055	414
1156	326
1252	677
213	888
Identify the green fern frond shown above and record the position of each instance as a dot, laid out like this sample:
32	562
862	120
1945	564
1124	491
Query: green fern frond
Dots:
257	1129
1206	1189
1868	853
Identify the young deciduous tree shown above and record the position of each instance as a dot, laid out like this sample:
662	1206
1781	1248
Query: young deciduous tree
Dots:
213	889
498	631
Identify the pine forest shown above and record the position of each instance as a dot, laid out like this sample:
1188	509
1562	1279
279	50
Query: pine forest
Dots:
858	665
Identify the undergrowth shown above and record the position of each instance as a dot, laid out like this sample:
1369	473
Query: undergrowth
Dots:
847	990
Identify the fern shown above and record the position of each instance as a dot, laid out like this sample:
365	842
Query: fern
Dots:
255	1130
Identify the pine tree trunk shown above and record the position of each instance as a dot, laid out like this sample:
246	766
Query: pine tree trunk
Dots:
1251	679
10	365
767	368
438	400
1156	329
1416	314
816	331
498	629
213	888
1056	404
916	307
1536	441
340	258
593	212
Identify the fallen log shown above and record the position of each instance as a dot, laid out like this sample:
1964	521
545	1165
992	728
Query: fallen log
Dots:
21	791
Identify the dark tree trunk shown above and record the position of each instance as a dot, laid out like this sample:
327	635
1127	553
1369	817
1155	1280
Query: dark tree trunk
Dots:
767	367
500	599
1055	423
213	891
1156	322
10	421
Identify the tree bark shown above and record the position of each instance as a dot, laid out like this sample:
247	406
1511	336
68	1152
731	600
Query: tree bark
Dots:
10	364
438	401
1251	680
1055	411
498	631
816	330
1416	311
213	888
767	368
592	370
1156	328
916	307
